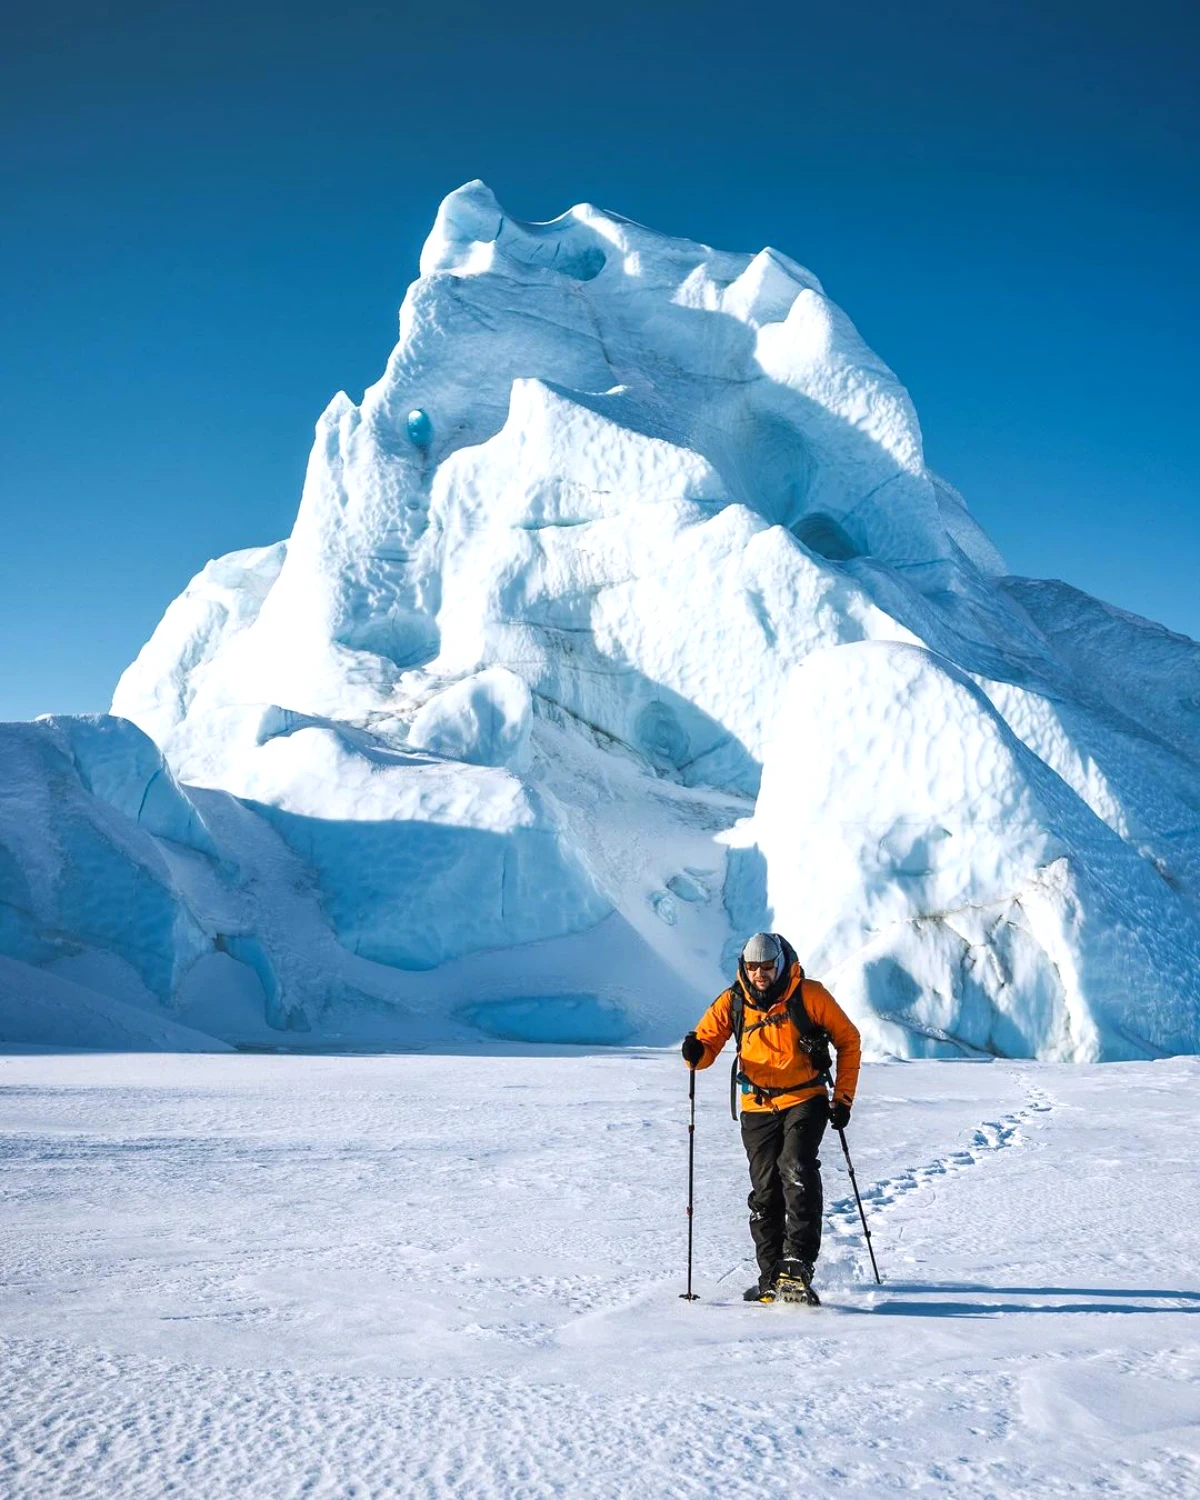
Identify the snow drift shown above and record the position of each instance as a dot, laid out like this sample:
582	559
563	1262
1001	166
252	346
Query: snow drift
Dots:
623	617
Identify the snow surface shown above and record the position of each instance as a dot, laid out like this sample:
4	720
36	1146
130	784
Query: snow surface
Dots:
458	1275
622	618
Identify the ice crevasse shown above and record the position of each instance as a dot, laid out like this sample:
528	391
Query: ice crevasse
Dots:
620	618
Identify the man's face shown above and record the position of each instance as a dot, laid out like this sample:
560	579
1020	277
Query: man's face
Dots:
760	974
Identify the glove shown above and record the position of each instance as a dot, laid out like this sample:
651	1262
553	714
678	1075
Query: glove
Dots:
692	1049
839	1114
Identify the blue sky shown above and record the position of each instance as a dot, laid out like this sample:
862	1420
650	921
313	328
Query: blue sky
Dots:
212	213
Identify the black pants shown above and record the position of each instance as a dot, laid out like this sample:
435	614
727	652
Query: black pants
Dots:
785	1174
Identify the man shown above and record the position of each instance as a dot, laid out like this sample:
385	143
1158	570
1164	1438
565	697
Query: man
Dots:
786	1024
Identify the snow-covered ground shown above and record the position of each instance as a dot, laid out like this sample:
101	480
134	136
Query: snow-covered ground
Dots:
457	1275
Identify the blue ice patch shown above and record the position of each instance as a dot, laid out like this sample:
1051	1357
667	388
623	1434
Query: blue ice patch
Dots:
573	1020
420	428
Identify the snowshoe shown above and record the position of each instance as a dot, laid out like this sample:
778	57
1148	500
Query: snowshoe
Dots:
794	1284
759	1293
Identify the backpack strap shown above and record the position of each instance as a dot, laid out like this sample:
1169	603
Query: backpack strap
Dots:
813	1039
737	1018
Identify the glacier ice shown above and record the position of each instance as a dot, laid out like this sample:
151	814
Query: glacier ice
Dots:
623	616
483	720
419	428
1057	939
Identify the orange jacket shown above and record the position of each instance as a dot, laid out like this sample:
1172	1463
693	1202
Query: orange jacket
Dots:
772	1055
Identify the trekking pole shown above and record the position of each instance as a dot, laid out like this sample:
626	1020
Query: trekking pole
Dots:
689	1295
861	1212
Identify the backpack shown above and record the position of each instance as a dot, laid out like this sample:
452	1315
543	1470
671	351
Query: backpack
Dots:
813	1039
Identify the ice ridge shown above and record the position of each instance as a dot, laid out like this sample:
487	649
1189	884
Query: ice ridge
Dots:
621	617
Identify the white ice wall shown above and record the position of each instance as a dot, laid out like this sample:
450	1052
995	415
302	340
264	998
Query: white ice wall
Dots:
628	529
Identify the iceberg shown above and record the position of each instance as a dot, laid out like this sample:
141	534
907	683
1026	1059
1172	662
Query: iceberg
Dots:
622	617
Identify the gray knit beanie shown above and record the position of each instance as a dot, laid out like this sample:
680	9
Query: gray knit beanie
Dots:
763	948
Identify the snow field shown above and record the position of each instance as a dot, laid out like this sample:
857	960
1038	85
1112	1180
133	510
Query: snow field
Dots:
457	1275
